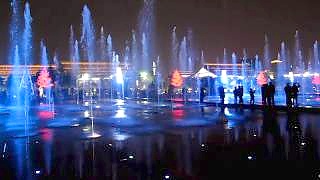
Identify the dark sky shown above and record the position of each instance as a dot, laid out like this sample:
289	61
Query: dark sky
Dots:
234	24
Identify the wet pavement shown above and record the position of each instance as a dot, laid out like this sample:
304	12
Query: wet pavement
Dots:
150	141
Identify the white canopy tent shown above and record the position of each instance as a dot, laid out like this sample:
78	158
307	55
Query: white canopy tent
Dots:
203	73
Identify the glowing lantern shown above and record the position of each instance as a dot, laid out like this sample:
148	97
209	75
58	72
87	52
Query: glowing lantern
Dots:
44	80
262	78
176	79
316	80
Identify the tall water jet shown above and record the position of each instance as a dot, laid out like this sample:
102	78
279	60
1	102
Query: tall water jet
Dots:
71	43
126	53
234	64
190	50
298	57
44	55
134	54
146	30
316	61
174	48
190	64
27	35
15	26
88	35
202	59
109	47
225	56
102	45
145	53
14	54
284	60
266	54
75	60
183	55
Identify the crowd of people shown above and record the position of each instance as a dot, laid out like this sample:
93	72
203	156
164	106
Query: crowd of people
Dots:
292	94
268	92
238	92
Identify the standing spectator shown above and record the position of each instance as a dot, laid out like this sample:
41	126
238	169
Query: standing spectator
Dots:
271	92
202	94
251	92
294	93
240	94
287	90
235	94
221	94
264	93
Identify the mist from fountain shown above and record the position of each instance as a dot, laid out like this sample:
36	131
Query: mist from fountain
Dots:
234	64
146	31
183	55
134	51
88	35
103	45
174	48
316	61
266	54
109	47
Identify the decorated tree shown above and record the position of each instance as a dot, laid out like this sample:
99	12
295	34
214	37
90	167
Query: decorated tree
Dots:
176	79
44	80
262	78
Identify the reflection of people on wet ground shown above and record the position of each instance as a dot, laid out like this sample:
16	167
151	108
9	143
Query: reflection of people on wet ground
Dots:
295	134
294	93
221	94
287	90
251	92
271	90
271	131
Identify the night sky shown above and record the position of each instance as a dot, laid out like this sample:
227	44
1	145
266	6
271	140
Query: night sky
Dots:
234	24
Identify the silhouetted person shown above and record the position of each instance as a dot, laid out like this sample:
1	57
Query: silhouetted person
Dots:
240	90
287	91
251	92
184	94
202	94
294	93
271	90
221	94
235	95
264	93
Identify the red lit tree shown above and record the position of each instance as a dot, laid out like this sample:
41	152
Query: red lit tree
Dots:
176	79
44	80
262	78
316	80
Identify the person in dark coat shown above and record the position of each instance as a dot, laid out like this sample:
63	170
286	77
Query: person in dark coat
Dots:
202	94
251	92
287	90
294	93
240	94
221	94
264	94
271	90
235	95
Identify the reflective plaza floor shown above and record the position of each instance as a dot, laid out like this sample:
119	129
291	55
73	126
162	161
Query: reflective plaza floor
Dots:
141	140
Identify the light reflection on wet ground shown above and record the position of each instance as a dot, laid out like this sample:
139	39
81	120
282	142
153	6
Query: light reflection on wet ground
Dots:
147	141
